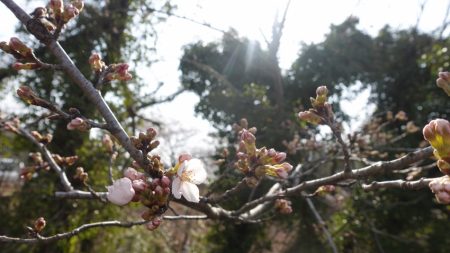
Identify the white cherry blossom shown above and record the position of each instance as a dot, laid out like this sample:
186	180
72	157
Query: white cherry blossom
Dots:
121	192
190	173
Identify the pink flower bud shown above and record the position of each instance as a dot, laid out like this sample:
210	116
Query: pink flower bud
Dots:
139	185
247	137
69	12
310	117
133	174
159	190
165	181
279	157
437	132
18	46
57	7
184	157
121	192
78	124
281	173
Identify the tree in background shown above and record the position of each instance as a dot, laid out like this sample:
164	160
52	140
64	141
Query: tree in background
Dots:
235	78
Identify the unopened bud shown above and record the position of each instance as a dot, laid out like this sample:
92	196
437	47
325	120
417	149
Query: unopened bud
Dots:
27	95
17	45
79	4
5	47
26	66
443	82
96	62
184	157
39	224
108	143
322	91
78	124
310	117
69	12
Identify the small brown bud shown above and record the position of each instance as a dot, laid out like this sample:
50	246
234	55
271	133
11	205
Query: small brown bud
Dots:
39	224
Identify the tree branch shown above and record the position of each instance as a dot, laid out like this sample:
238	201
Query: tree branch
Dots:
85	85
400	184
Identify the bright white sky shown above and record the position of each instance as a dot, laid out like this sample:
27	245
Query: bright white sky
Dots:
307	21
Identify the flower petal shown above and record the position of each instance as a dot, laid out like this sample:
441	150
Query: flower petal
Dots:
121	192
190	192
197	169
176	188
181	168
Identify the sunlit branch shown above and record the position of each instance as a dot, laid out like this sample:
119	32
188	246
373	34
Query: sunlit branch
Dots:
400	184
340	176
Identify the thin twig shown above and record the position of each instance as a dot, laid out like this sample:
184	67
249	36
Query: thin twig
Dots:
322	225
48	157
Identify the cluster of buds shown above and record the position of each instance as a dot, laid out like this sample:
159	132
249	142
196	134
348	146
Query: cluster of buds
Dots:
441	188
256	163
443	82
146	142
44	139
118	72
321	113
111	72
437	133
38	164
11	125
62	13
22	53
138	187
81	175
64	161
283	206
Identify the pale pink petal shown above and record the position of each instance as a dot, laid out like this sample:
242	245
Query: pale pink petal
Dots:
139	185
190	192
121	192
176	188
281	173
181	168
197	170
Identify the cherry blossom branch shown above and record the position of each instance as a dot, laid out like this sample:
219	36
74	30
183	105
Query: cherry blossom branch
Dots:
74	73
43	239
340	176
400	184
48	157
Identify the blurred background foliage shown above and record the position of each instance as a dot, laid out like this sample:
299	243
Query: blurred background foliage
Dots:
238	78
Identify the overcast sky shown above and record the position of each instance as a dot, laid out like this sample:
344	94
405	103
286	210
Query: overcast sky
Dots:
307	21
